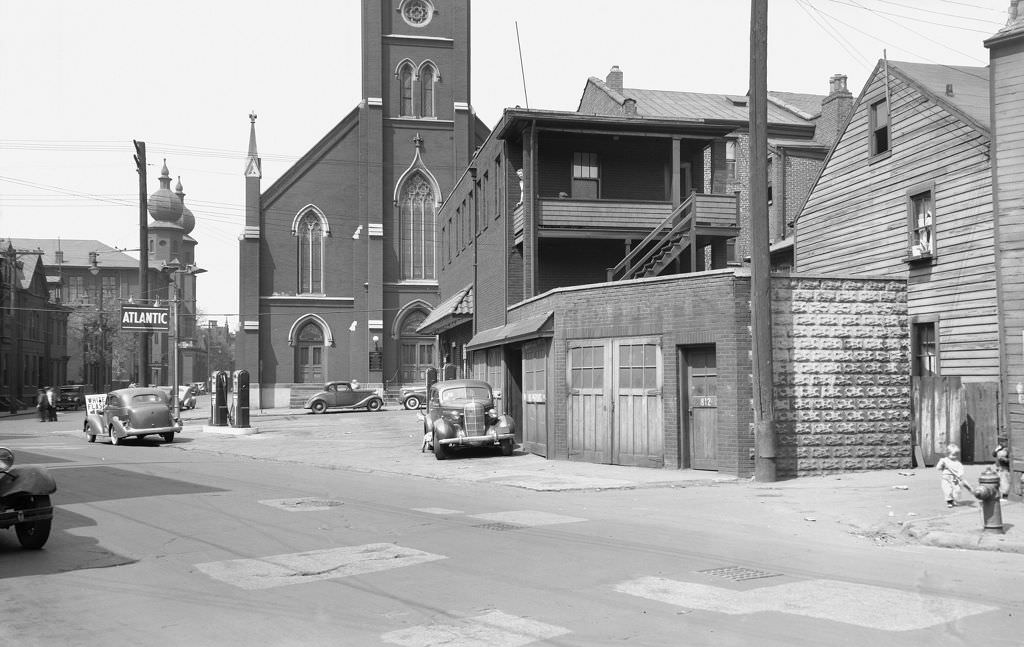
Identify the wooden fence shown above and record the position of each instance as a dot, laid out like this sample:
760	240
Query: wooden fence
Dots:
946	410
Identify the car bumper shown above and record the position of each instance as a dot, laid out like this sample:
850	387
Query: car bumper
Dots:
477	441
11	517
152	431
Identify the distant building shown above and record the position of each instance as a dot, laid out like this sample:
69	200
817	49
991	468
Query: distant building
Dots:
33	333
338	261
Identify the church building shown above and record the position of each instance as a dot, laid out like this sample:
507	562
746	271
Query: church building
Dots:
337	259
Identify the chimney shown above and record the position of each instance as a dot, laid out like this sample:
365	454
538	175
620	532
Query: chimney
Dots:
614	79
949	89
629	107
835	111
59	257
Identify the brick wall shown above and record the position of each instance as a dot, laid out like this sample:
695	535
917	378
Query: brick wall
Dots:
842	374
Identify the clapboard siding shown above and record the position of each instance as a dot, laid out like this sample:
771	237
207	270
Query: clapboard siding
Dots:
855	219
642	216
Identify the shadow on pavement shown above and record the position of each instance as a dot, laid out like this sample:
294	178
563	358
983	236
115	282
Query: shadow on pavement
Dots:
90	483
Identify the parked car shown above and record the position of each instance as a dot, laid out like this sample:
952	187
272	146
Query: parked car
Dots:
71	396
414	397
461	413
135	412
25	501
345	395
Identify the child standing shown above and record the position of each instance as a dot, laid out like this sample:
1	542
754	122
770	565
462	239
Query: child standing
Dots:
1002	456
952	474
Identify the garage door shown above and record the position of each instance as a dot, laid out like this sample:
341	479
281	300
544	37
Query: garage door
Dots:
615	401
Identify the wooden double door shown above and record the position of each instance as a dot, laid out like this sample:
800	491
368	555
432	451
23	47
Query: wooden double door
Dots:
615	407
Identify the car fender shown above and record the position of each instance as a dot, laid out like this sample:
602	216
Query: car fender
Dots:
506	425
117	428
94	425
27	480
365	401
443	428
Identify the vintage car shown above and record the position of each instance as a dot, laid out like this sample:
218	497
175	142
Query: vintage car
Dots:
461	413
71	396
25	501
414	397
345	395
133	412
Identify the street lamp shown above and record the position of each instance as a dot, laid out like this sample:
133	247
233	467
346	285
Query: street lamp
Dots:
172	270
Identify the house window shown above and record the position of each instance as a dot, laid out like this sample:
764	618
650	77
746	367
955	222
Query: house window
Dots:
76	290
499	185
111	291
879	127
311	251
417	220
921	213
585	176
427	76
449	240
405	90
926	349
730	160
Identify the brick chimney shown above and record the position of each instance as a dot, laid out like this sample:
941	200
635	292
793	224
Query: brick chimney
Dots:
835	110
614	79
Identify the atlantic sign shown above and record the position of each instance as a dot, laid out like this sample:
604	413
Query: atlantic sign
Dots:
145	318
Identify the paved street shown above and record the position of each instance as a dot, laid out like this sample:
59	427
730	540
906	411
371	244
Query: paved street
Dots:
335	529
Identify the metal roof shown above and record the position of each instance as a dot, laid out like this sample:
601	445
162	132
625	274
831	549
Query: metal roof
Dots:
970	86
694	105
76	252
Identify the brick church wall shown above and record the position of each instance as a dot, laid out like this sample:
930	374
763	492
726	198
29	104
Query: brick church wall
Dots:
842	374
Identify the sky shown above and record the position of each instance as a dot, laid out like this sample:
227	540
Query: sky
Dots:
80	80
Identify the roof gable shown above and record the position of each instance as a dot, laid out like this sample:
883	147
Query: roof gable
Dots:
970	88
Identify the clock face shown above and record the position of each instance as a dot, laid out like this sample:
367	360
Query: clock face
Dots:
417	12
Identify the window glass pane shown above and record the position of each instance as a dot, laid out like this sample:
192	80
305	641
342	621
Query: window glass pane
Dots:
599	377
650	378
650	356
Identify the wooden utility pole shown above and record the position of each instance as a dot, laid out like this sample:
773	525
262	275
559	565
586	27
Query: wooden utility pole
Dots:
140	166
760	280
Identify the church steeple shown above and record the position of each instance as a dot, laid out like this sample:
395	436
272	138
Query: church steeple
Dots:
252	164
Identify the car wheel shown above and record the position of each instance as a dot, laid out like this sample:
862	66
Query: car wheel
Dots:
114	440
507	447
33	534
439	450
91	438
168	437
374	405
319	406
411	402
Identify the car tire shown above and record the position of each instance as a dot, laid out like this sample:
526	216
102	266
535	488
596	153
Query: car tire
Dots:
411	402
168	437
374	405
114	440
33	534
319	406
507	447
91	438
439	450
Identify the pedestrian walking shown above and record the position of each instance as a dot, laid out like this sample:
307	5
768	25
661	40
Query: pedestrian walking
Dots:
51	404
951	471
1002	456
44	412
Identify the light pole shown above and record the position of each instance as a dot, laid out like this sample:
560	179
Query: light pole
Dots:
173	269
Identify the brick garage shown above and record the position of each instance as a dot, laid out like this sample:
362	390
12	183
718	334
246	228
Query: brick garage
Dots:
841	362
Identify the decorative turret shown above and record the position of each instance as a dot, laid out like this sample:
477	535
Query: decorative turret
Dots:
164	205
187	220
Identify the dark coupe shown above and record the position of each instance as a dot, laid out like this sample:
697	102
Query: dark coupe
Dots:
345	395
461	413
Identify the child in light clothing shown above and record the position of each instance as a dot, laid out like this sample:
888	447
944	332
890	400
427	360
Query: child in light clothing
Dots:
1002	456
951	471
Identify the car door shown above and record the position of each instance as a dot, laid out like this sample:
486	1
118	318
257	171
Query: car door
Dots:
112	409
331	395
346	396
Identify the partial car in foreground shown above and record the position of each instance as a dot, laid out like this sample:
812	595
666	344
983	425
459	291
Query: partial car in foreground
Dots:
461	413
132	412
343	394
25	500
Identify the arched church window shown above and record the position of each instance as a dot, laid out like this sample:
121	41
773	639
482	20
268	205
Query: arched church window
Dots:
405	88
310	232
427	78
417	220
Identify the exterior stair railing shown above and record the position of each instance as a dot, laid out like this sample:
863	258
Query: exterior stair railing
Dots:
658	243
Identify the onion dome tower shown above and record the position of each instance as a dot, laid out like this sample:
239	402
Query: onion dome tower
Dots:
165	232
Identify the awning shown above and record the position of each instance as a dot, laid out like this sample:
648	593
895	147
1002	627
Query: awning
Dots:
530	328
456	309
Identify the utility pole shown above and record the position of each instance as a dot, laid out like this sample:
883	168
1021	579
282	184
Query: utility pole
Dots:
760	279
143	338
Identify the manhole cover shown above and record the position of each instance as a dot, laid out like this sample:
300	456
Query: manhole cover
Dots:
498	526
738	573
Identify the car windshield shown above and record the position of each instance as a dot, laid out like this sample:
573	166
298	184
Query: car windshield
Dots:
70	389
147	398
462	393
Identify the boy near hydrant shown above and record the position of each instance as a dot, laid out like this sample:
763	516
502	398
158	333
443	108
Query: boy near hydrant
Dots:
951	471
1002	456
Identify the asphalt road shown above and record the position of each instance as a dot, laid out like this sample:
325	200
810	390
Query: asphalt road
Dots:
178	545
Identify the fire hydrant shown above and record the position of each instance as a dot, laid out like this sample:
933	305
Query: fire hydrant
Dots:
988	493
